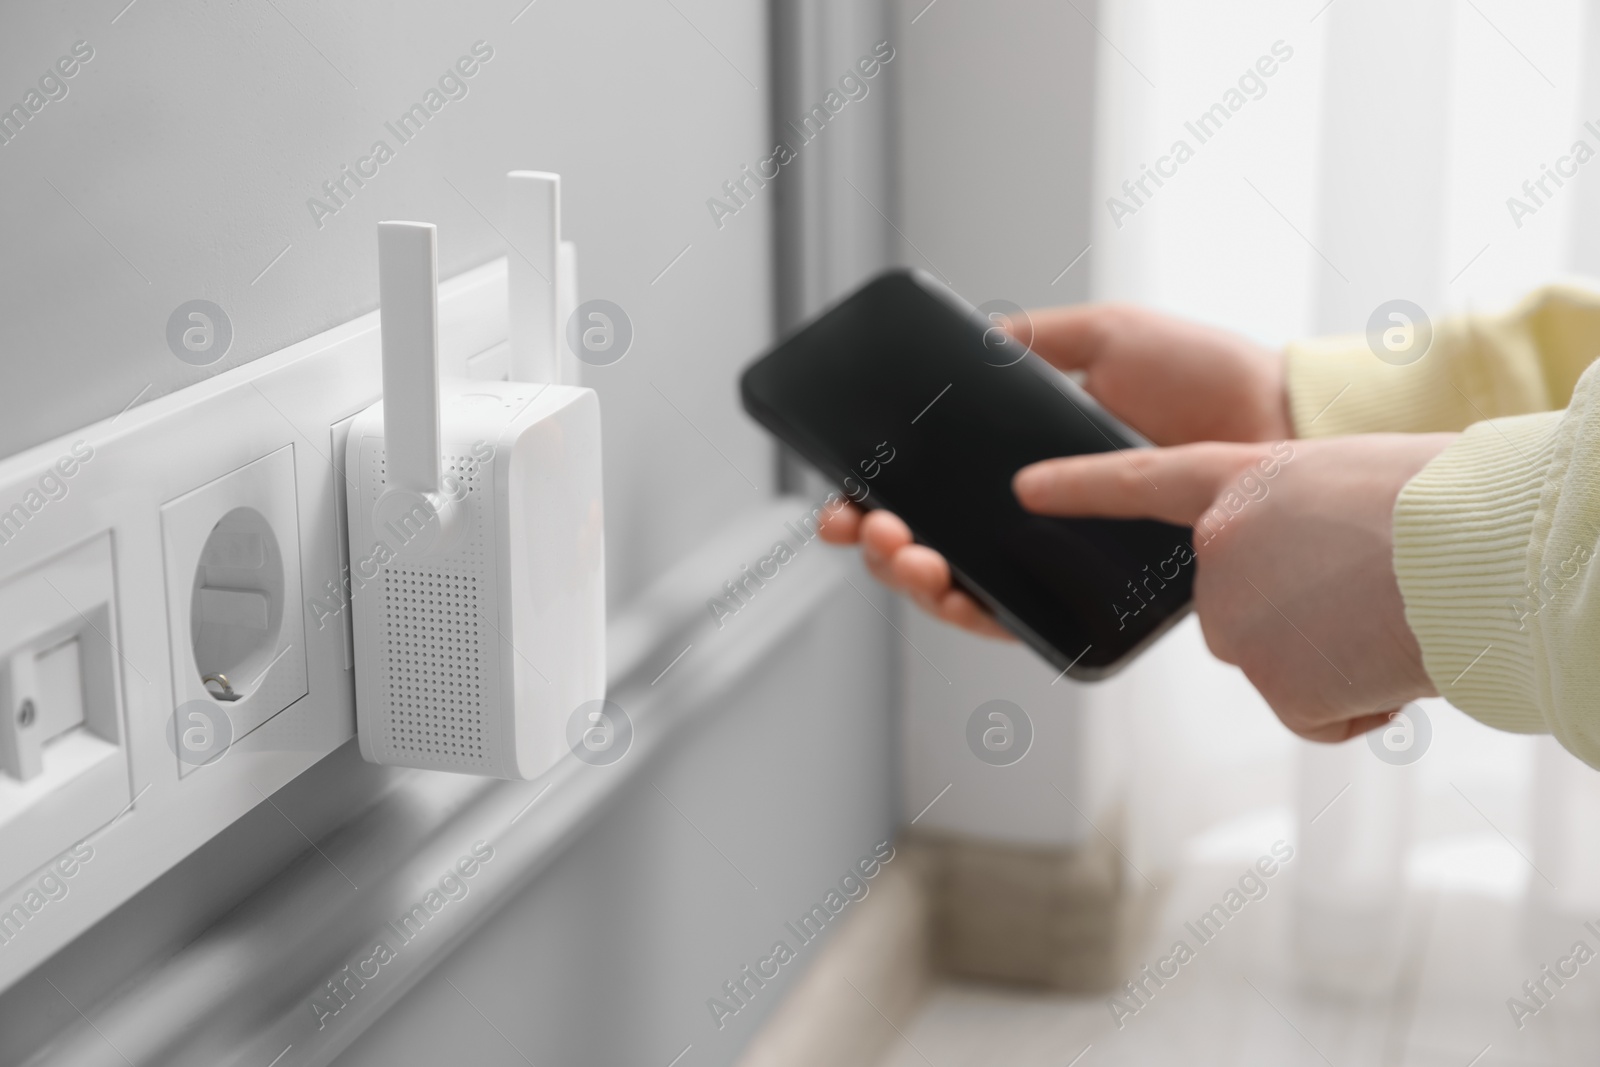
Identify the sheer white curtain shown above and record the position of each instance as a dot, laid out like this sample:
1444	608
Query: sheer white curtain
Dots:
1374	162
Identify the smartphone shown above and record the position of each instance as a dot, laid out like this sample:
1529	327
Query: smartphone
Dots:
912	400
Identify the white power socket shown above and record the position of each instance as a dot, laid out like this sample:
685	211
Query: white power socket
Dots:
234	598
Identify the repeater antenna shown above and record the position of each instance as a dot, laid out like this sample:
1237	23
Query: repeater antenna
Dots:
533	199
413	515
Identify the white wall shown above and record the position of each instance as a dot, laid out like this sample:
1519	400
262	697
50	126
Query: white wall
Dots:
1376	164
1217	243
1382	156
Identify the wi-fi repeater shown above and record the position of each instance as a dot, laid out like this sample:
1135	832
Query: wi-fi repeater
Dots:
475	508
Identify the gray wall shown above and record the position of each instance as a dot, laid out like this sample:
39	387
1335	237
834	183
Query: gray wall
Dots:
995	147
611	955
996	143
178	166
180	162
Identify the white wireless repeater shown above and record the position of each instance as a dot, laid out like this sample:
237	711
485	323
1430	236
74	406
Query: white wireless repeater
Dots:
477	551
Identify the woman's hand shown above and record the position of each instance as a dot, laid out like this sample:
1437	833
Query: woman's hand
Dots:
907	567
1173	381
1294	551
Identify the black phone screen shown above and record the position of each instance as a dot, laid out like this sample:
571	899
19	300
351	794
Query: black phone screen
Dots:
912	401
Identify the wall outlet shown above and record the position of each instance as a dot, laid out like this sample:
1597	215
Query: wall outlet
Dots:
63	763
232	551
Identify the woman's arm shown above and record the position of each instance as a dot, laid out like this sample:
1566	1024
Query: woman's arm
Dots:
1495	539
1478	367
1495	546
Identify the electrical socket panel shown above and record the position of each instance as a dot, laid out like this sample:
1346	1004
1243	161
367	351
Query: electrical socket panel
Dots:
102	784
205	588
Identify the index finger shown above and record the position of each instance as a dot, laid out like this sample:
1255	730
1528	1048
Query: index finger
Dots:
1175	485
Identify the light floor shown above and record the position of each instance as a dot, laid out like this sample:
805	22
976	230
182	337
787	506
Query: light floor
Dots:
1460	955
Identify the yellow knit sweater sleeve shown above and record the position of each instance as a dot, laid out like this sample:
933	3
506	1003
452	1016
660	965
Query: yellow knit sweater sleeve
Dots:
1478	367
1496	539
